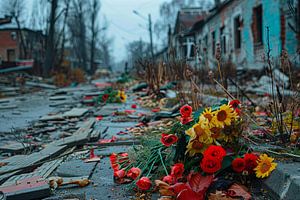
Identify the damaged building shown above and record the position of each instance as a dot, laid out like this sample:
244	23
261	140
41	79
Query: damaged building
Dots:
242	29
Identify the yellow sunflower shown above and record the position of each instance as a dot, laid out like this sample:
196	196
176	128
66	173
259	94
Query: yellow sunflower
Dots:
208	114
195	146
122	96
265	166
200	131
223	116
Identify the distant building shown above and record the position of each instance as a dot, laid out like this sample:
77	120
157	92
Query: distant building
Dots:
240	28
21	44
182	43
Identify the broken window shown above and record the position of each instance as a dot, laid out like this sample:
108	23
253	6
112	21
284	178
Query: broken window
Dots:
205	43
213	40
237	33
257	25
223	39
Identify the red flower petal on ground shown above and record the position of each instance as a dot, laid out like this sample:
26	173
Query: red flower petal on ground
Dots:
120	173
133	106
215	151
210	164
177	170
144	183
185	120
98	118
168	139
129	112
234	103
169	179
134	172
238	165
186	111
155	110
250	162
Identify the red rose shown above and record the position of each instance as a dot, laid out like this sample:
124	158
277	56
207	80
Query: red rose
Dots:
104	97
134	172
250	162
168	139
215	151
169	179
234	103
120	173
177	170
210	165
238	165
113	158
115	167
144	183
133	106
186	111
185	120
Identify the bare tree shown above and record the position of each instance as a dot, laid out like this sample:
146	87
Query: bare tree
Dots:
105	44
77	26
94	29
50	44
63	31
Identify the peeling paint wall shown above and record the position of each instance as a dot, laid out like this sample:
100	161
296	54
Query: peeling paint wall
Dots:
250	54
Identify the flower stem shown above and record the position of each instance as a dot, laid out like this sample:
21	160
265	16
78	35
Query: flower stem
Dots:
162	162
151	166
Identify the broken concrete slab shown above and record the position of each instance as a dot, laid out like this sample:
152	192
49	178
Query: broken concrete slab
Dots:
75	168
58	98
4	101
16	147
8	106
41	85
75	112
284	182
52	117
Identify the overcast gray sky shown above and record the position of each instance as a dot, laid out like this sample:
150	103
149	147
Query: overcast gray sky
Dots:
124	24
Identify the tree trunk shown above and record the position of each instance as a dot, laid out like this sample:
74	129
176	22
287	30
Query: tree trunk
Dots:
50	54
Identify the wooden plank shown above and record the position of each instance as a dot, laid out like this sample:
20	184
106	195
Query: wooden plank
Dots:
95	136
80	136
52	117
30	188
16	147
29	161
42	85
43	171
75	112
2	107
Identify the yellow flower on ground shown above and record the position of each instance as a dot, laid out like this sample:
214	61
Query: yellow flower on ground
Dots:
195	146
223	116
122	96
265	166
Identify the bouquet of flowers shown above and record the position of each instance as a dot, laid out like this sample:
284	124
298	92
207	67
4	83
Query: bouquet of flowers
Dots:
112	96
196	153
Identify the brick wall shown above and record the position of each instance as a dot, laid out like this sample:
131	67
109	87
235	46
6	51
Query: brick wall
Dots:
7	42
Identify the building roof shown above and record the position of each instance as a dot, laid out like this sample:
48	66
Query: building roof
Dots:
187	17
13	26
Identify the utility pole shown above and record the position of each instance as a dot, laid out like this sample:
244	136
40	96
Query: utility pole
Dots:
151	38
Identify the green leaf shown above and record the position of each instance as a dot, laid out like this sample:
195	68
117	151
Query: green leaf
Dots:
198	113
226	163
